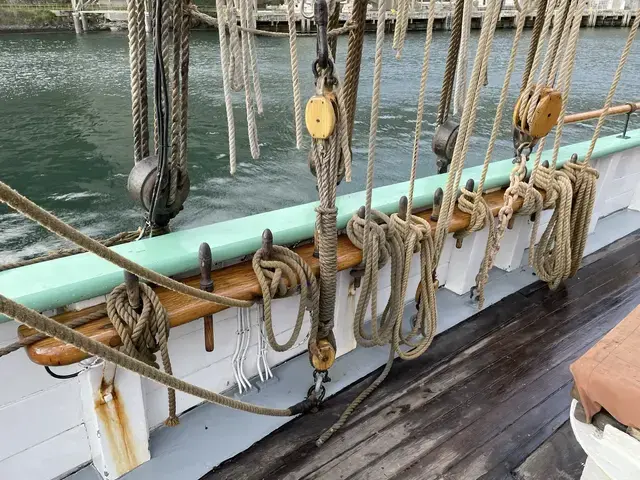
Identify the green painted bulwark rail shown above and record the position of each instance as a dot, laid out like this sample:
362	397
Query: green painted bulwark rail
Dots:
56	283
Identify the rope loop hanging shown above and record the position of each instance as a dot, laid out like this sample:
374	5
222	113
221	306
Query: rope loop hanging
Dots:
281	273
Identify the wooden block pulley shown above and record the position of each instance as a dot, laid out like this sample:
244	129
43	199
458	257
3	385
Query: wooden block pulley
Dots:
320	117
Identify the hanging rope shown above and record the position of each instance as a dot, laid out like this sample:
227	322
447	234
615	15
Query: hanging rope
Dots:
396	239
353	62
176	101
448	79
295	77
51	328
466	127
184	92
225	59
551	258
585	175
143	332
281	272
137	56
401	25
463	58
246	82
473	203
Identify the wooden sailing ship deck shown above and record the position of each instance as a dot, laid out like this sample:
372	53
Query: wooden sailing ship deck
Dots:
489	400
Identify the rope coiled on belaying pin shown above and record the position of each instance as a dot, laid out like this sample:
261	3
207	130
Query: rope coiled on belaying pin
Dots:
280	273
143	332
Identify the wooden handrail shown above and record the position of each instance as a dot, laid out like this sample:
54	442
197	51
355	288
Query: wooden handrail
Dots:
593	114
237	281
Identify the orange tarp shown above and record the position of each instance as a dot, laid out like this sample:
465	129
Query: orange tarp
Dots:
608	375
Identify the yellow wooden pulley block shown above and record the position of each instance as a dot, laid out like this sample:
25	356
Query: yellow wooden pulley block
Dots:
320	117
325	356
545	115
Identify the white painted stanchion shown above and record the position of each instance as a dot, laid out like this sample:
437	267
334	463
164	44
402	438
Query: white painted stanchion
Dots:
116	420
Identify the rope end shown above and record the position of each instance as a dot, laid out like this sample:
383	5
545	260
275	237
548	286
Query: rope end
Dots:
172	421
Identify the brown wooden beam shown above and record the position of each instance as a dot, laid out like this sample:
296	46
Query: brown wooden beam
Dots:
237	281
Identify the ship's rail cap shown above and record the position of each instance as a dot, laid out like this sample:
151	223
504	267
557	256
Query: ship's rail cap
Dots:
55	283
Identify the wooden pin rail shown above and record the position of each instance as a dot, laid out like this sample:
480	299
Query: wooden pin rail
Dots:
593	114
237	281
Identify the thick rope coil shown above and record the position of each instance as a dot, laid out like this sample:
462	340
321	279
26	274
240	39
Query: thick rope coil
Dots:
551	258
246	82
281	273
225	59
295	77
143	333
30	340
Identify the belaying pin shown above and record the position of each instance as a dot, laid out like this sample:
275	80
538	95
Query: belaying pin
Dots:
206	284
132	286
469	186
437	204
403	204
267	243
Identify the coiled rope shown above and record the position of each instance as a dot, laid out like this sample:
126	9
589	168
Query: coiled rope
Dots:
396	239
551	258
584	190
143	332
473	203
281	272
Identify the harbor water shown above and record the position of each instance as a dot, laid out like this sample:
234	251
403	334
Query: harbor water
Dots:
66	140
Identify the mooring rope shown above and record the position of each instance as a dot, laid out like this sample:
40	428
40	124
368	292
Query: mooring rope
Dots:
51	328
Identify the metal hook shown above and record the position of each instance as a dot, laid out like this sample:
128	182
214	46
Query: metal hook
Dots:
321	14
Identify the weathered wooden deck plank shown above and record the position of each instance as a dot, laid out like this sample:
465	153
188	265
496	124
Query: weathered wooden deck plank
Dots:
486	395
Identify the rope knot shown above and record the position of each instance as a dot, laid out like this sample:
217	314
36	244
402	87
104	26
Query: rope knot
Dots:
377	234
143	332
